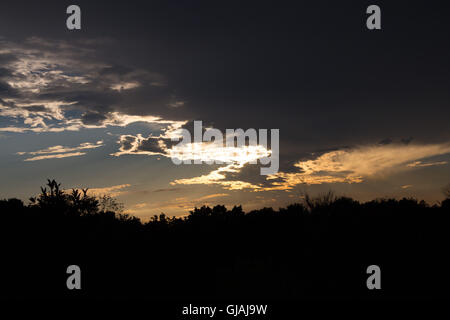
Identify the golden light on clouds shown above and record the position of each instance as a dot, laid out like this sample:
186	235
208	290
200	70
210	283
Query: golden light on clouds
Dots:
218	177
355	165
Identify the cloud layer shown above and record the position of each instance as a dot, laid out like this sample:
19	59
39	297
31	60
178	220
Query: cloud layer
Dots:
350	165
55	86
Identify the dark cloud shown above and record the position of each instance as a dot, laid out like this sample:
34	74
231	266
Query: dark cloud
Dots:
6	91
126	143
6	59
151	145
157	145
310	69
116	70
36	108
3	71
93	118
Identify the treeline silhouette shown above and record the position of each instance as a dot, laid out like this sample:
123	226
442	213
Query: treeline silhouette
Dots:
319	248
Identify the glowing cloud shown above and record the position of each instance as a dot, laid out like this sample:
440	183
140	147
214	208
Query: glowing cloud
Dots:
218	177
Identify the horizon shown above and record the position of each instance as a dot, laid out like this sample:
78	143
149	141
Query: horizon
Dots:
301	200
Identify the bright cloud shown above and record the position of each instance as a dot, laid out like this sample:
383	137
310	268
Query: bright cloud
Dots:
235	159
218	177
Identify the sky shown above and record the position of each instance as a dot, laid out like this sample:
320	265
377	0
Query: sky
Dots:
361	112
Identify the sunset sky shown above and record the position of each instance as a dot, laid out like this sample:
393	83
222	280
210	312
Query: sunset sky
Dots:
363	113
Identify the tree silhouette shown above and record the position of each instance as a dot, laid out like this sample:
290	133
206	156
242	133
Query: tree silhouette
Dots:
318	248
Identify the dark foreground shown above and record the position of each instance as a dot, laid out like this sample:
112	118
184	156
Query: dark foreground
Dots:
316	250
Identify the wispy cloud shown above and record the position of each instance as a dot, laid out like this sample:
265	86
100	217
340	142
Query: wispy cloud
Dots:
211	196
56	156
167	190
58	152
416	164
113	191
